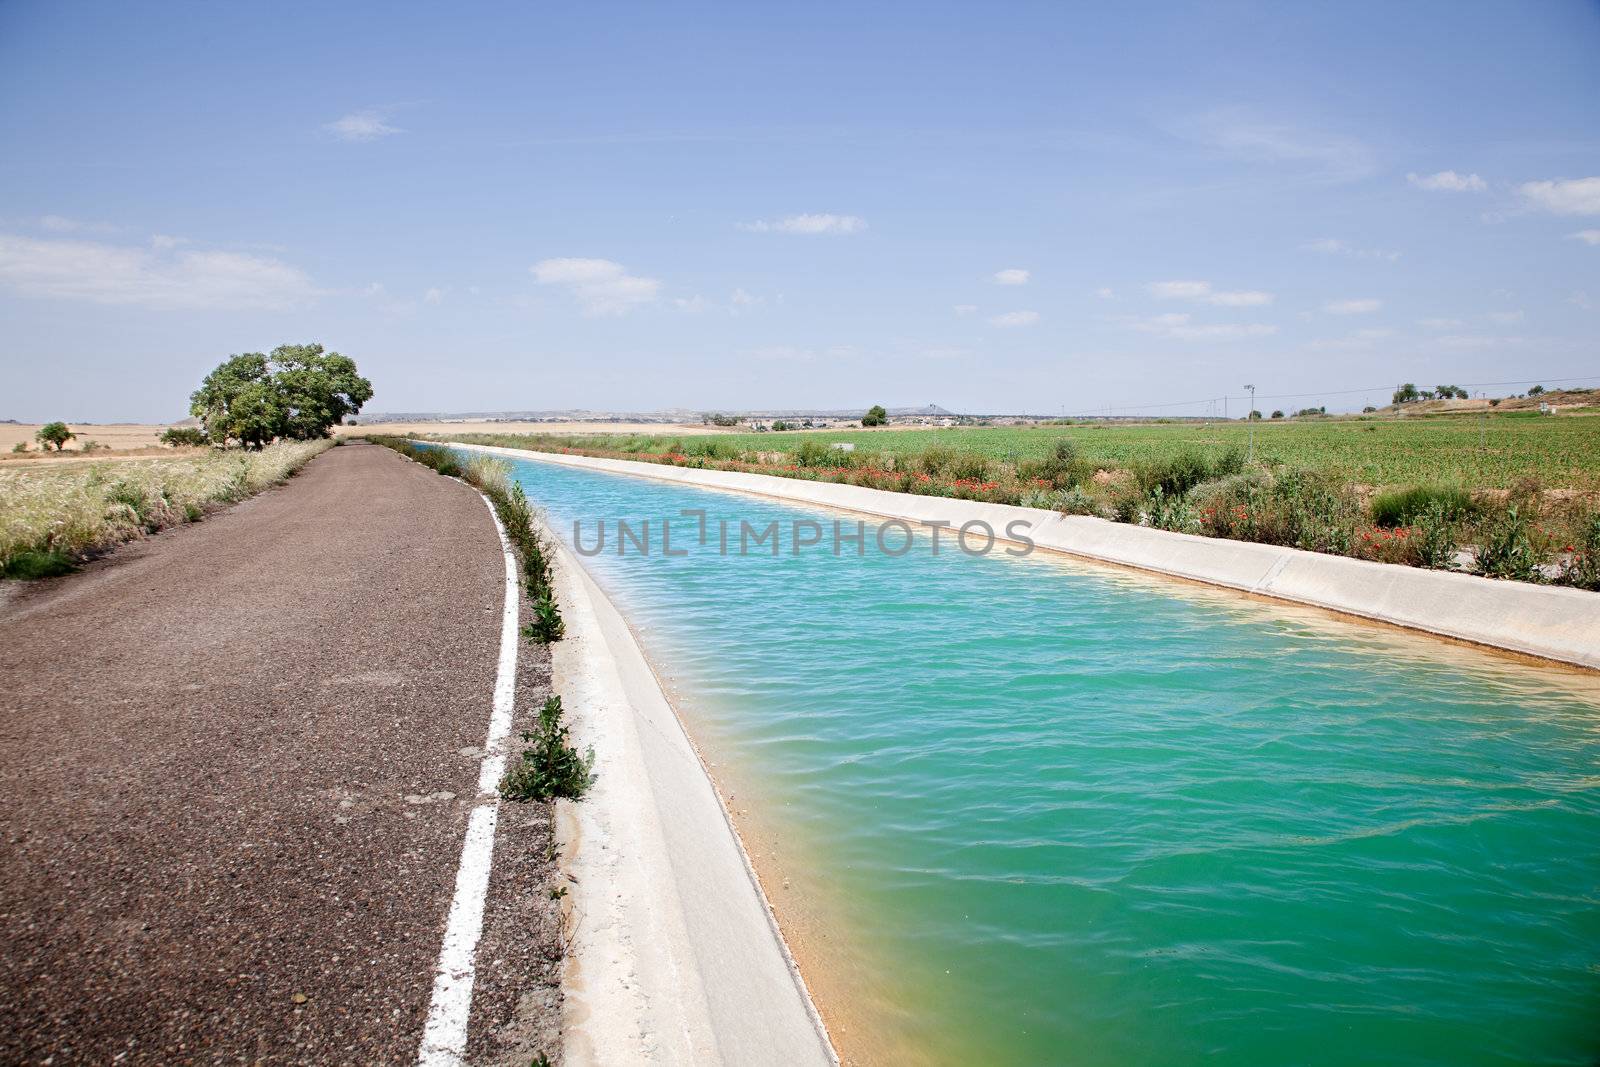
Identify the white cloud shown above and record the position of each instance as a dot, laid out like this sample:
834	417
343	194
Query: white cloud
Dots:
1013	319
808	224
1352	307
1105	293
966	309
601	286
1333	246
362	126
1439	324
744	299
1504	318
1180	327
1202	293
1588	237
1011	276
694	305
157	278
1581	299
433	296
1448	181
1565	196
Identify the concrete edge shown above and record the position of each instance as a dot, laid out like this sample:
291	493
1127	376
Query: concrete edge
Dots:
675	955
1545	622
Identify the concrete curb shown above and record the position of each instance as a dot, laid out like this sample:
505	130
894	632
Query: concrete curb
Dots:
675	955
1547	622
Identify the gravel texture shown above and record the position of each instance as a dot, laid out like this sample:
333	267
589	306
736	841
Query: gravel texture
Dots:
236	762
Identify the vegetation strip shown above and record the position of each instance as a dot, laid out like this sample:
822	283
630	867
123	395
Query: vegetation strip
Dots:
1520	532
53	520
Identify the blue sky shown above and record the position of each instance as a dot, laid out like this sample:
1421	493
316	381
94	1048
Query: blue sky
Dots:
1045	208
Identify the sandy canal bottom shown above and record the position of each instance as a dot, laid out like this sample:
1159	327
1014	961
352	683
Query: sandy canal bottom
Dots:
1020	811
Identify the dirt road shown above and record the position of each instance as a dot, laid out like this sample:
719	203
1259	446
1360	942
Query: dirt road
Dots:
235	768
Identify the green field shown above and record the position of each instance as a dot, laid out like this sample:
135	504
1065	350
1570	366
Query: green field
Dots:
1491	452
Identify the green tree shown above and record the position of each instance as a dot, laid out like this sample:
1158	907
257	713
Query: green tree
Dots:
1406	394
54	435
1536	390
875	416
319	389
298	392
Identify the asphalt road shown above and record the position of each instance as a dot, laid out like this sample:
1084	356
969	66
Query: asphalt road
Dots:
236	762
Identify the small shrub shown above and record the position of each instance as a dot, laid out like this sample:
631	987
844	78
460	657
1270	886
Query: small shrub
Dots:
36	563
550	766
20	446
1582	568
1436	537
547	625
185	437
1402	507
1075	501
1064	467
1506	548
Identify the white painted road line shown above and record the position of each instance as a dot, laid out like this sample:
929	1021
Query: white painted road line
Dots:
444	1039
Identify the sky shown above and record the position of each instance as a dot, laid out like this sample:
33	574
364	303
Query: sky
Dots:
997	208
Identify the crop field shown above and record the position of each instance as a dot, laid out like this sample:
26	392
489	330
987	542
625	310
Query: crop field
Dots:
1474	452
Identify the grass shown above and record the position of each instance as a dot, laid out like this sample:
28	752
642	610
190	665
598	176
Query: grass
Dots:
53	519
1412	491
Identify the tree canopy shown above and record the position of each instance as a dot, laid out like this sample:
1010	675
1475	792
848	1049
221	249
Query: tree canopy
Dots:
298	392
54	435
875	416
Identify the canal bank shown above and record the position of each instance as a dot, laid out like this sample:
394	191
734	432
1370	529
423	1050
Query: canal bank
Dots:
1546	622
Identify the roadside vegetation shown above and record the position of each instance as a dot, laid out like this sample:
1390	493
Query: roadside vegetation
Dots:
1505	496
53	519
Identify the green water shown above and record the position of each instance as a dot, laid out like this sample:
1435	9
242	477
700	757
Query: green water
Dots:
1056	814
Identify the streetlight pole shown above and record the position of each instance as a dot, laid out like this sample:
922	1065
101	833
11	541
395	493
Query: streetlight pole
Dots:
1250	417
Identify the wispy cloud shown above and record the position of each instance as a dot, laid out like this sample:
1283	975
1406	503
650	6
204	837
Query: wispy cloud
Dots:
808	224
62	224
1439	324
1448	181
1588	237
966	309
1564	196
1105	292
1011	276
1363	306
161	278
367	125
600	286
1333	246
1203	293
1504	318
1180	326
1013	319
1329	156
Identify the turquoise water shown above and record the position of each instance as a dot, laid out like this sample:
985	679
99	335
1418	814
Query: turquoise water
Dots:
1037	812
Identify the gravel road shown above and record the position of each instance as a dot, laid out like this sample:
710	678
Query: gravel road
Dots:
236	762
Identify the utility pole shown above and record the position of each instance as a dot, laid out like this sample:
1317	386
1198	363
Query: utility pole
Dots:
1249	416
1483	421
